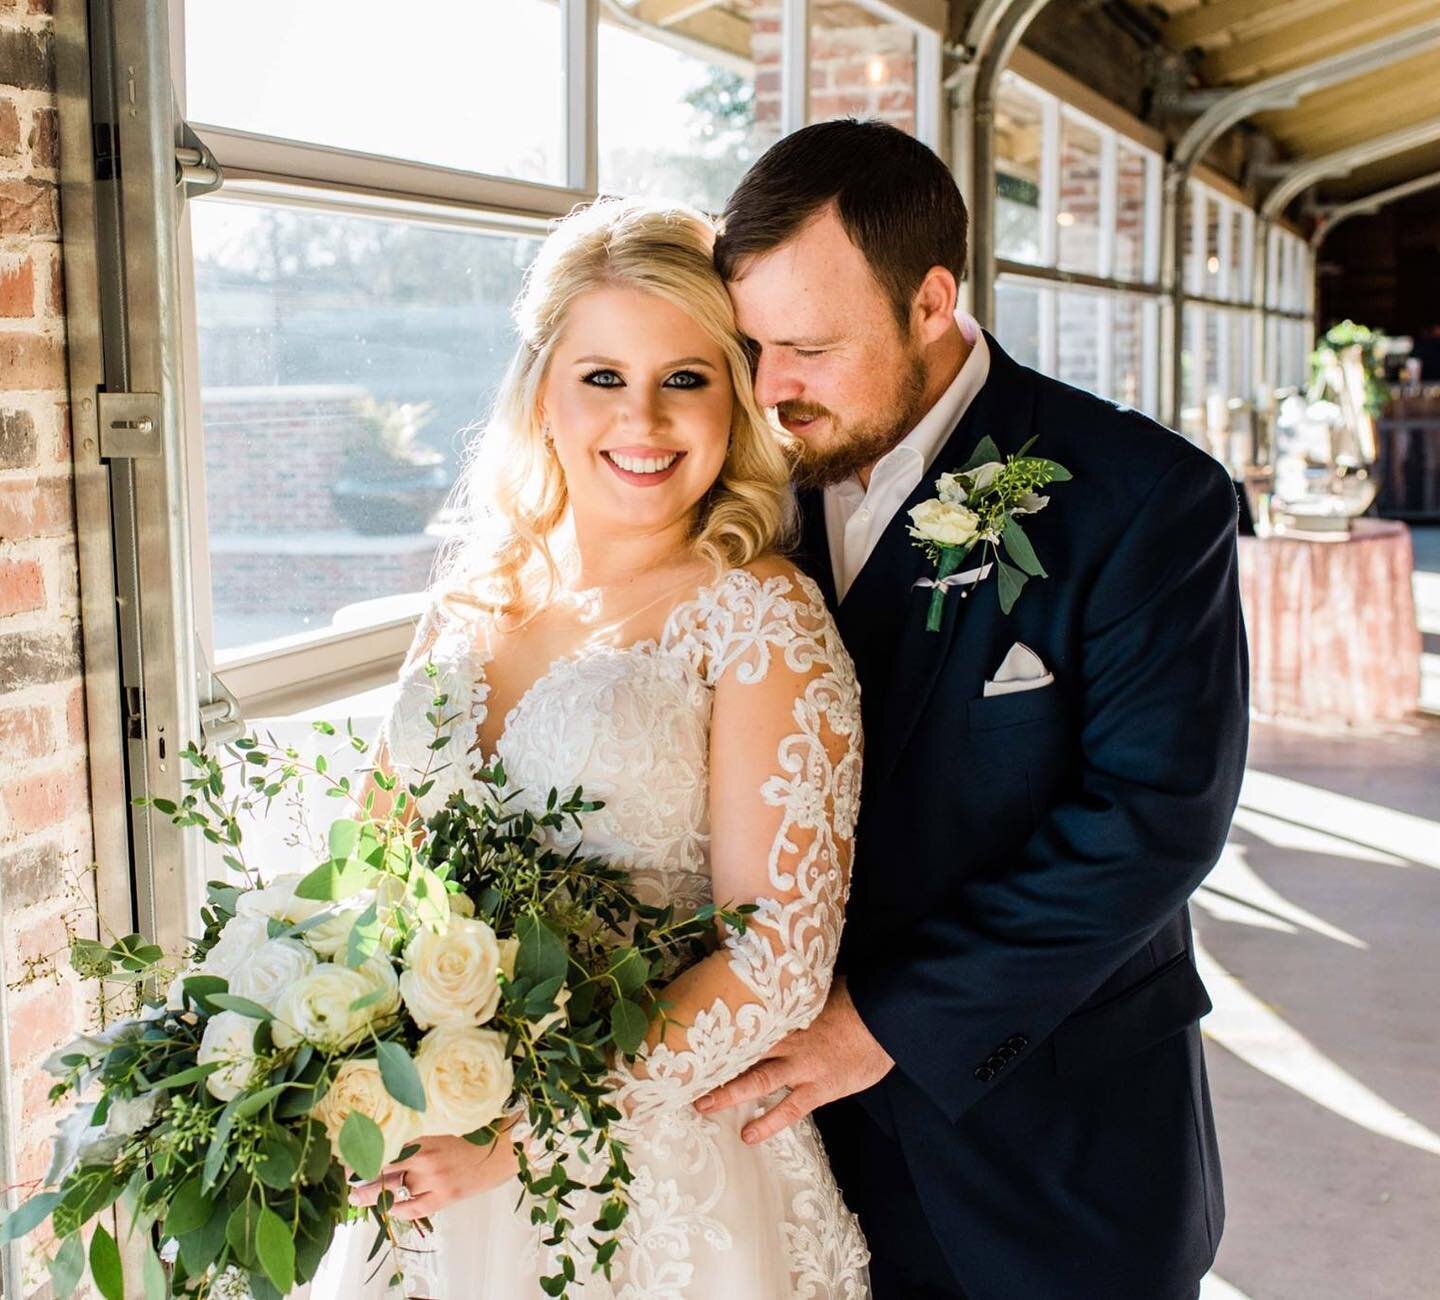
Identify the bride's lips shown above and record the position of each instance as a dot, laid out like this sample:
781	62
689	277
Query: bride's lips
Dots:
642	453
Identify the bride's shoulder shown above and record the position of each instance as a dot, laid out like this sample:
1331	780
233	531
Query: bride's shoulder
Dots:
774	580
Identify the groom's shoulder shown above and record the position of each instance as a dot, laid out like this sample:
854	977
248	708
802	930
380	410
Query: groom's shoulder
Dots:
1110	443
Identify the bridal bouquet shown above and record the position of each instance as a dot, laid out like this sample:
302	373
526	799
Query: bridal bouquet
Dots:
453	975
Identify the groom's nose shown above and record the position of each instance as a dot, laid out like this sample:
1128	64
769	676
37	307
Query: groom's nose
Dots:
773	382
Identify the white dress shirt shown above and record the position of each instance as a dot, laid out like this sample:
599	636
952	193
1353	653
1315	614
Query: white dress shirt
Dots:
855	516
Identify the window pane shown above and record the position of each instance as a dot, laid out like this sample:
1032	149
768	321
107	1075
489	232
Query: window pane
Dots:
1019	142
1130	191
675	124
1017	322
861	65
1078	324
341	359
356	74
1127	355
1215	212
1079	214
1192	415
1239	290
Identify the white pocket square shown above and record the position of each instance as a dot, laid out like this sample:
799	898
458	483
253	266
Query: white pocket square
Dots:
1021	670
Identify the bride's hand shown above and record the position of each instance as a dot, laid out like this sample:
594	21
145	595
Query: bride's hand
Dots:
445	1170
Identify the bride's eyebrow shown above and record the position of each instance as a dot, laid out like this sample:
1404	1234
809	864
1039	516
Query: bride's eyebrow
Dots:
619	365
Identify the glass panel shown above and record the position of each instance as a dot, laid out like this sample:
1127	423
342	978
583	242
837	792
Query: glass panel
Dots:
1193	272
1017	321
1079	213
341	360
1077	318
1239	290
1130	192
673	123
356	74
1192	415
861	65
1216	377
1127	355
1215	212
1019	142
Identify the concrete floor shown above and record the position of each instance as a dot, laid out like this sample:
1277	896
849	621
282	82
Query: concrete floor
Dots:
1317	933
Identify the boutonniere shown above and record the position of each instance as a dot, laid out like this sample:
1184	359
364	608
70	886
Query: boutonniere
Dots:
980	506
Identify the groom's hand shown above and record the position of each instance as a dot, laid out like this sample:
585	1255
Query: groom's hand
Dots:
832	1058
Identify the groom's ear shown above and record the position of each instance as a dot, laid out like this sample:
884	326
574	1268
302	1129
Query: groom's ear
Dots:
933	310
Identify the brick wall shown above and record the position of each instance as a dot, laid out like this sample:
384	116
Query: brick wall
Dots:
45	830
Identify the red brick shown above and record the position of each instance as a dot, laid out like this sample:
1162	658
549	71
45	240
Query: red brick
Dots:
46	938
45	138
42	6
75	715
41	1019
37	658
28	208
28	58
43	801
25	733
62	433
17	286
36	507
32	361
56	304
22	587
9	129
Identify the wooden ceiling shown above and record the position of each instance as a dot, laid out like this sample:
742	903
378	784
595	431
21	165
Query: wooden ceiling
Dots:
1239	42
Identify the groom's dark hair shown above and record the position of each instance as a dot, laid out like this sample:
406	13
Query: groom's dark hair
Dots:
896	199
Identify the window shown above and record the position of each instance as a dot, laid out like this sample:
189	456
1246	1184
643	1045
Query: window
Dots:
311	72
1080	217
685	120
342	358
862	64
1019	149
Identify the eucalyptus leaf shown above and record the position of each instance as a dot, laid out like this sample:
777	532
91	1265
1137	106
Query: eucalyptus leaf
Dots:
29	1216
68	1266
189	1208
628	969
401	1078
152	1274
628	1024
985	451
243	1006
105	1265
276	1249
1010	580
542	953
362	1145
1018	548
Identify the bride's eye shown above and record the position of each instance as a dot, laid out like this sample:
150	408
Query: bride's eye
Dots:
687	379
603	379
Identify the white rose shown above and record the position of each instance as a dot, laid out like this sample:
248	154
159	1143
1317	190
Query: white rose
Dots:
1032	503
275	966
238	941
228	1037
467	1078
952	489
329	937
358	1086
983	475
450	976
277	901
318	1009
461	904
379	973
943	523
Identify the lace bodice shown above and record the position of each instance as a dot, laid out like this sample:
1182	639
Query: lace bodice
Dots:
727	755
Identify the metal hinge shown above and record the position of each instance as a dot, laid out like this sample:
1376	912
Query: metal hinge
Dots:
220	718
129	426
196	171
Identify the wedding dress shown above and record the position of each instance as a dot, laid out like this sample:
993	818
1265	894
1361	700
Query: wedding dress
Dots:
711	1218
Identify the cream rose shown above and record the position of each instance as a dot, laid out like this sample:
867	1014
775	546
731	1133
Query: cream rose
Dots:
271	969
238	941
277	900
450	976
982	476
467	1078
318	1008
358	1086
228	1037
943	523
379	972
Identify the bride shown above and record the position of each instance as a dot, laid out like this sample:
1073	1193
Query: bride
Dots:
631	629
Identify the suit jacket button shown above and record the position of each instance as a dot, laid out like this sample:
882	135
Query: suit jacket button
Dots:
984	1074
1018	1041
1006	1053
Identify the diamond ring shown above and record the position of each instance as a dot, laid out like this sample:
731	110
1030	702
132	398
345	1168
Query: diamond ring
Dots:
402	1192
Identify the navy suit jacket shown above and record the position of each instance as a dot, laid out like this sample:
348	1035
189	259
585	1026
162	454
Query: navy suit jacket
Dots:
1017	936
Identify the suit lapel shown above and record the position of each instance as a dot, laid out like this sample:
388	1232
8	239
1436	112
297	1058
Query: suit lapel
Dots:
813	552
1003	411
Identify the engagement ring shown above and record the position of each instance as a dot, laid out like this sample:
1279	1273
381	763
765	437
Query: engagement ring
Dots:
402	1193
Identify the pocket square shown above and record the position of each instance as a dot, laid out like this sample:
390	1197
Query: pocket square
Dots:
1021	670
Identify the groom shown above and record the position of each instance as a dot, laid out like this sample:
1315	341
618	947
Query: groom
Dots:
1008	1075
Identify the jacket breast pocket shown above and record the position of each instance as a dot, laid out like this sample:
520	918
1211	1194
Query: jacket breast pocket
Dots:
993	712
1163	1003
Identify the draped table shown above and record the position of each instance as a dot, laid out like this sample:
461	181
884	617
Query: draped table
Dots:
1331	625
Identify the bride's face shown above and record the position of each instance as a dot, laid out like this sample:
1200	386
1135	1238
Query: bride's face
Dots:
638	399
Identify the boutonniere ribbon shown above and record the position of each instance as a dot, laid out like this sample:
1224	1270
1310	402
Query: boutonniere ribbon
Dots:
980	505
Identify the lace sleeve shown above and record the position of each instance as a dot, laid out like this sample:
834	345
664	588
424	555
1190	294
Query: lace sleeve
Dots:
403	743
784	795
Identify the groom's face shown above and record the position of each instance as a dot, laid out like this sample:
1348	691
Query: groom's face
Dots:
832	361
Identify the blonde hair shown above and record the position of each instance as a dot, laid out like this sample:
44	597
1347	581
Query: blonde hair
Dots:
512	482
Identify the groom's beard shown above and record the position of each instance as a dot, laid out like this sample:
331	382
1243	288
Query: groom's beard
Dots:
849	448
